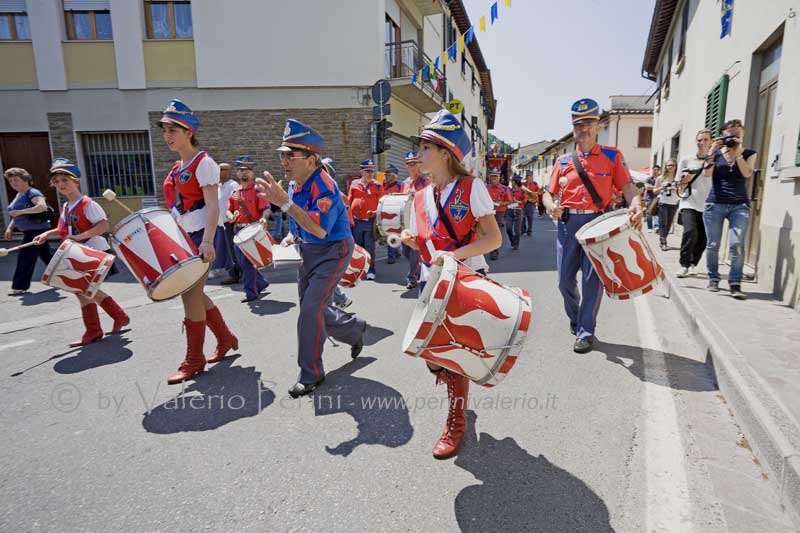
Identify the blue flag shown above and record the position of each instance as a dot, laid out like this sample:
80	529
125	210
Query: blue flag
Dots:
470	35
726	17
451	52
494	12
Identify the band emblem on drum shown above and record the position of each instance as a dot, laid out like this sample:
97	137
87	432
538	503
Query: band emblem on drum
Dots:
458	209
324	204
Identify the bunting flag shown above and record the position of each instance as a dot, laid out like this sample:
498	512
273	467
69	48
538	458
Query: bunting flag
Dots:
451	52
432	70
426	72
494	12
414	78
508	3
725	18
470	35
436	64
461	43
483	23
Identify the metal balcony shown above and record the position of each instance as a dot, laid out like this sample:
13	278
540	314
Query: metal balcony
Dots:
402	61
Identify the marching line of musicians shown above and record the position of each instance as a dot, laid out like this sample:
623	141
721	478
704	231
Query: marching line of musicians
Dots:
454	215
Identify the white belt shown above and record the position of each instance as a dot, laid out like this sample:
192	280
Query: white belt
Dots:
582	212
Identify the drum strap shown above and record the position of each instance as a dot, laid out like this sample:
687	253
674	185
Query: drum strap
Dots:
587	182
243	206
446	221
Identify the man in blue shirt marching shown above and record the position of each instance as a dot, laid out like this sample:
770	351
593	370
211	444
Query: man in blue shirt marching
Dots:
318	223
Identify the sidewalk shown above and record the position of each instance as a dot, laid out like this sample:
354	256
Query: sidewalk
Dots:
754	349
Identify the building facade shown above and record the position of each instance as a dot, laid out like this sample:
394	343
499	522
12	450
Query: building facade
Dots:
706	76
87	80
628	125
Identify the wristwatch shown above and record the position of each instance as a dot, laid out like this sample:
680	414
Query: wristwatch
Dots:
285	207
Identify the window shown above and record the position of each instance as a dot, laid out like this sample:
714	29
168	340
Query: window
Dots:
14	27
684	29
716	101
88	20
645	137
168	19
675	146
393	48
119	161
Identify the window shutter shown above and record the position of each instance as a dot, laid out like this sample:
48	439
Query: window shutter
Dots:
87	5
716	101
12	6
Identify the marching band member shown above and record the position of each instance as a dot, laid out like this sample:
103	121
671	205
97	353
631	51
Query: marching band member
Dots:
363	198
455	217
340	298
415	182
194	180
531	201
83	220
518	198
248	207
391	186
318	222
605	169
501	196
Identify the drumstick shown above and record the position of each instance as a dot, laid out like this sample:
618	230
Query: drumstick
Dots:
111	196
5	251
562	182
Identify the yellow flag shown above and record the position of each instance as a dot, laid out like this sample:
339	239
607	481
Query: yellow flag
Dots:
508	3
444	57
461	43
483	23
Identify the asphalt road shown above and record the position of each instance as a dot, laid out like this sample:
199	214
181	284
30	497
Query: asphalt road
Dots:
631	437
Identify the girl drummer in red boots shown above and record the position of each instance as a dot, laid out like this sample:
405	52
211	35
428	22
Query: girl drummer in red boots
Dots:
84	221
466	231
194	201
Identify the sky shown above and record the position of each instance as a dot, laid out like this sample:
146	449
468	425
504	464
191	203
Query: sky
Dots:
544	55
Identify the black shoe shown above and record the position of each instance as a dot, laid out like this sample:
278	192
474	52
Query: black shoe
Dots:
411	284
250	298
262	289
573	328
736	292
390	261
583	345
230	281
713	285
355	350
301	389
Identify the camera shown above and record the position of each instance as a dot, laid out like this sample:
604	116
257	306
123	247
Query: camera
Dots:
730	141
669	187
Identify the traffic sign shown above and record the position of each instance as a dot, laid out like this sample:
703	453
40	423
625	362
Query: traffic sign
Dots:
381	91
455	106
380	111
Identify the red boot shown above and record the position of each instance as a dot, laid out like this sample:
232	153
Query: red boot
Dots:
456	425
91	319
195	361
225	339
121	319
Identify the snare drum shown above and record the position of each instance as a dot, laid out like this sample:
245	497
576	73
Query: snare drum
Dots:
468	323
159	252
255	243
77	268
394	213
357	269
620	255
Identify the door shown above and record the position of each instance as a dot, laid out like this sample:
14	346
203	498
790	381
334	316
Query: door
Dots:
30	151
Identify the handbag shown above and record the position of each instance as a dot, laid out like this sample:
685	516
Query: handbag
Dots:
43	216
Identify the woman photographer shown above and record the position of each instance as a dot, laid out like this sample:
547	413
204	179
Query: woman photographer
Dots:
730	165
29	214
668	200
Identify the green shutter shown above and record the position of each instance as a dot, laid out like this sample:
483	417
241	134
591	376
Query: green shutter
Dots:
716	100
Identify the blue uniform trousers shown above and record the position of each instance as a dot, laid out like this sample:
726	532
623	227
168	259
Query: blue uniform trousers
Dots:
514	226
253	282
527	222
581	308
320	271
413	263
362	233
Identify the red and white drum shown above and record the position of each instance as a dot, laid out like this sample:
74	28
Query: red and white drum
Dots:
621	255
255	243
468	323
77	268
159	252
394	213
357	269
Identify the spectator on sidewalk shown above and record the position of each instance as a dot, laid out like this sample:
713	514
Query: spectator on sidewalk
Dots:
693	190
26	216
650	220
223	244
730	165
667	190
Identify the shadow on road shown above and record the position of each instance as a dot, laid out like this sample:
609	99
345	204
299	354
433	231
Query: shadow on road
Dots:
386	424
269	307
41	297
222	394
108	351
522	492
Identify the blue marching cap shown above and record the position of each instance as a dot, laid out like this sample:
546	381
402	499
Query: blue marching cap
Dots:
298	136
585	109
62	165
330	166
179	114
367	164
391	169
244	161
412	157
445	130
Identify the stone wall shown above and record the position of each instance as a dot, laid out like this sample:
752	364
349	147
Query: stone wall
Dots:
62	136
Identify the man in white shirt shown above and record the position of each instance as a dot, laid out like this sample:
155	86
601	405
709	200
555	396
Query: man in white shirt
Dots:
693	190
224	239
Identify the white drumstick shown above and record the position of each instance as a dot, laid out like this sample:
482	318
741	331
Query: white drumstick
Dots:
393	240
562	182
5	251
111	196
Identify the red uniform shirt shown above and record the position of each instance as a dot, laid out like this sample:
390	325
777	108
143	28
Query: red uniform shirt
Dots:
363	198
458	212
392	188
519	196
605	167
184	191
534	195
252	208
499	193
415	185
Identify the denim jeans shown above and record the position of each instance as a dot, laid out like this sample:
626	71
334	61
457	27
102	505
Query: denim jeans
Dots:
738	216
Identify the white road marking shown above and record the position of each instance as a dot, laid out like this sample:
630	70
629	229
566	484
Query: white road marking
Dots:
667	503
16	344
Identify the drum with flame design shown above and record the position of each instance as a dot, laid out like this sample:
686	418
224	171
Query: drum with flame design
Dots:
621	255
468	323
394	213
255	243
159	252
357	269
77	268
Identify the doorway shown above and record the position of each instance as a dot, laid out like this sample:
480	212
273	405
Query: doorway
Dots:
30	151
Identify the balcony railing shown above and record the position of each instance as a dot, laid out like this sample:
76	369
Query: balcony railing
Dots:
405	58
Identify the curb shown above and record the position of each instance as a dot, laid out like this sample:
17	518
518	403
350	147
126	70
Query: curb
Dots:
765	420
